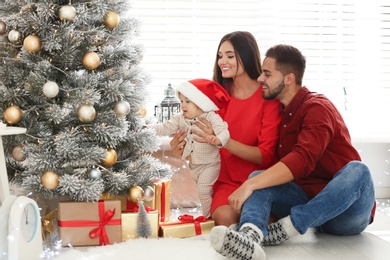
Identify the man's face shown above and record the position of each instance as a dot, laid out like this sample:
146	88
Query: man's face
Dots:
271	80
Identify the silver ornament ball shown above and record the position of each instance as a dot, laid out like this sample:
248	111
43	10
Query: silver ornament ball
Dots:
15	37
50	89
149	193
86	113
67	13
122	108
95	173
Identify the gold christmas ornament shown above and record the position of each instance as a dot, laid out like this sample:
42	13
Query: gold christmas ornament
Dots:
18	153
91	60
135	194
32	43
122	108
50	180
86	113
67	13
111	20
111	157
3	28
47	222
15	37
50	89
13	115
142	112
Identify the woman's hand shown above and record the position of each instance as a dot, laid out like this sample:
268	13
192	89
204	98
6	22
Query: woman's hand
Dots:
207	130
177	143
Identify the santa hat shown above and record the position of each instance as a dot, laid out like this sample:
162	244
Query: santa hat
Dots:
208	95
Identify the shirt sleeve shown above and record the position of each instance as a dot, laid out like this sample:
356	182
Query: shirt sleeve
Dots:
167	128
269	132
220	128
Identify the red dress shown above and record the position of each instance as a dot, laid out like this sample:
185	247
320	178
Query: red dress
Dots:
255	122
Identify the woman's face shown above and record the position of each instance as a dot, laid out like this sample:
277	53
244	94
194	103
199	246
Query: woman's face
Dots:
228	62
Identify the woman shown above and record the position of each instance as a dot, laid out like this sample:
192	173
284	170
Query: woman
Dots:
253	122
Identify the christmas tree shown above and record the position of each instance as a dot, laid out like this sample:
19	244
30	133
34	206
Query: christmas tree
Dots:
70	74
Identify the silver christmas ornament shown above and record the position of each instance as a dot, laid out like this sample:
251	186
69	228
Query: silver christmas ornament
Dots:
95	173
67	13
86	113
15	37
148	193
122	108
50	89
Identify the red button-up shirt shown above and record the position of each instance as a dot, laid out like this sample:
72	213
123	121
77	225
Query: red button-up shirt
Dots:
314	141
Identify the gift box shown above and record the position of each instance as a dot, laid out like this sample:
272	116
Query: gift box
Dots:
129	224
89	223
162	199
187	226
122	198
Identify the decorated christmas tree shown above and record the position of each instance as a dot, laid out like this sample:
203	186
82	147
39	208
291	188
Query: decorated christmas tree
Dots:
70	75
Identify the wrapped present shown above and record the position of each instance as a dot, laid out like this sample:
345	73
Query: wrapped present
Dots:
89	223
129	224
122	198
162	199
187	226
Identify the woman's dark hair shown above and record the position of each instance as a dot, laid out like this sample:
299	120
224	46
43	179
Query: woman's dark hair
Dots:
247	53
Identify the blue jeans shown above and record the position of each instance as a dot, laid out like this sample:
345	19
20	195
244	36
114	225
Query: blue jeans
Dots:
343	207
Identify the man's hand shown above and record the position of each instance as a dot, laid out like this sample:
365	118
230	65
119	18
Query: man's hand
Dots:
177	143
238	197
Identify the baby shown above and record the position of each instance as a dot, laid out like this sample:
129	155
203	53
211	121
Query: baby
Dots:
200	98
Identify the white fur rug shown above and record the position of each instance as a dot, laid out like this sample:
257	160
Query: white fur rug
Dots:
193	248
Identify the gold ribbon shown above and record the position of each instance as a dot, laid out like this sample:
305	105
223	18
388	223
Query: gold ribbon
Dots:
48	222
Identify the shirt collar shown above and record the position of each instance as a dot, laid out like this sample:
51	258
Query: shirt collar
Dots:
296	101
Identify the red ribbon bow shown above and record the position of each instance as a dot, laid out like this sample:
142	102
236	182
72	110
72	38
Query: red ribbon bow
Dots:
133	207
105	218
190	219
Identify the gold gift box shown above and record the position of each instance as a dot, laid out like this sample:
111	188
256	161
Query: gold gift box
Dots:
121	198
183	230
162	199
77	219
129	224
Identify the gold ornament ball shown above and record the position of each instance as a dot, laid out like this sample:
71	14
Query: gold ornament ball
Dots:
18	153
135	194
86	113
15	37
3	28
32	43
111	157
122	108
91	60
142	112
111	20
67	13
50	180
13	115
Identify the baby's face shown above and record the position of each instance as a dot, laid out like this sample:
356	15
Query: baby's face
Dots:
188	108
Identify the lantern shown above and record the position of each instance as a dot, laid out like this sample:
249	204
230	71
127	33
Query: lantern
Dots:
168	107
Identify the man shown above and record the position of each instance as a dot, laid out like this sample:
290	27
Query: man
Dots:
319	181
